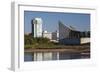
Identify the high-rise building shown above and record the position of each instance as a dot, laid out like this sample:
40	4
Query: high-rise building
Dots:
37	27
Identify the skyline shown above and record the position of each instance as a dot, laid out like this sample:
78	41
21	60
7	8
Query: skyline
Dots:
50	20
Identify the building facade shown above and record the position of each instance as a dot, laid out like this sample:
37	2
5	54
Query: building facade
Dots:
68	35
46	34
53	36
37	27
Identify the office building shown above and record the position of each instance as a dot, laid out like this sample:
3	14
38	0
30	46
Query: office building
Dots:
69	35
37	27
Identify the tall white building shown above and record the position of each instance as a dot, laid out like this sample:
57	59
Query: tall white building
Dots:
37	27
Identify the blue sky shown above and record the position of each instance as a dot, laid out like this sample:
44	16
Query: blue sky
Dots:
50	20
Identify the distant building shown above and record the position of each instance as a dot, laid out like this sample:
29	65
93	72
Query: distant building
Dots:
53	36
46	34
37	27
67	32
69	35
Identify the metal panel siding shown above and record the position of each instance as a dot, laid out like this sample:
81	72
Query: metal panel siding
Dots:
63	31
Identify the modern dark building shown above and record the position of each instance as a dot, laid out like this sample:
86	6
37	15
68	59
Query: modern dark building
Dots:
69	35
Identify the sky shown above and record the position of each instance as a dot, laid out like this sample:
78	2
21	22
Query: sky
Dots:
50	20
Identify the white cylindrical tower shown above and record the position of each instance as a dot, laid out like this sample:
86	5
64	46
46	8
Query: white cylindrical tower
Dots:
37	27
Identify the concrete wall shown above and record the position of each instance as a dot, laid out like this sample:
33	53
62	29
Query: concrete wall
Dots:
84	40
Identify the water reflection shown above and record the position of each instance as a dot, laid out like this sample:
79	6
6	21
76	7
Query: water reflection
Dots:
45	56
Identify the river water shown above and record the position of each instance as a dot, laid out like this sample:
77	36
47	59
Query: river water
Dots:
46	56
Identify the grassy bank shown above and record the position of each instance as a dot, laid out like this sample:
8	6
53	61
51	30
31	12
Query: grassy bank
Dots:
45	43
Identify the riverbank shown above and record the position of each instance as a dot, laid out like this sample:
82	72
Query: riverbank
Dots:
67	48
